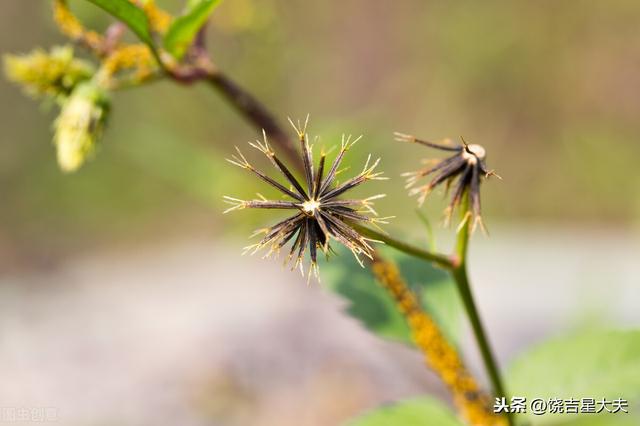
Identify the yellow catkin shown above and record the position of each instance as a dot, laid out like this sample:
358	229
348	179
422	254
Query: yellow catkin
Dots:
441	356
72	28
158	18
132	56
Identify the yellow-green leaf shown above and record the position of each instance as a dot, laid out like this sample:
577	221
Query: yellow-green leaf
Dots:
129	14
591	364
415	412
185	28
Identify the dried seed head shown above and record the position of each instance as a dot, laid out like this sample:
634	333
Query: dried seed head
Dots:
465	169
319	213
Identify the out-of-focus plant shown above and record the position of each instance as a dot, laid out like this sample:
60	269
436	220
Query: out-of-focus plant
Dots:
174	48
48	74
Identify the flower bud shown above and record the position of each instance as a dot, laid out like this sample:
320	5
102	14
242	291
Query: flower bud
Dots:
80	124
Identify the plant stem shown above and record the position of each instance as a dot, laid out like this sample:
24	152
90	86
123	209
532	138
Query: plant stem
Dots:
437	258
440	355
461	277
458	269
254	112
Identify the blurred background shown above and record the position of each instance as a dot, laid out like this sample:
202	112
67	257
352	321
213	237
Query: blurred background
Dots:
123	295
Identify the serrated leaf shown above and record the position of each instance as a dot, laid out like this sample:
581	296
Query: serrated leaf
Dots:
415	412
593	364
129	14
372	305
185	28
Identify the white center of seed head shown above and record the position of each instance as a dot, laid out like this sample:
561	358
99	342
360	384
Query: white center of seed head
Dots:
310	206
473	153
478	150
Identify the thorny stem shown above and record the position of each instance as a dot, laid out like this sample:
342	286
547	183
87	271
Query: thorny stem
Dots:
460	275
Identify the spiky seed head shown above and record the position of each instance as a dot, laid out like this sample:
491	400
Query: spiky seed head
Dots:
319	212
466	165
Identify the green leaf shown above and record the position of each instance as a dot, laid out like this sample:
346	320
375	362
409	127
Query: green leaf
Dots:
185	28
372	305
592	364
415	412
132	16
368	302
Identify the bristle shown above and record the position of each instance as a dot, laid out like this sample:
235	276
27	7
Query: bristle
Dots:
464	221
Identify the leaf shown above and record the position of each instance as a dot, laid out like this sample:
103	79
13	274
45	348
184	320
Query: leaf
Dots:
369	302
415	412
185	28
132	16
593	364
372	305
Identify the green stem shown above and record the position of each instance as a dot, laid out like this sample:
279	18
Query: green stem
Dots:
437	258
461	277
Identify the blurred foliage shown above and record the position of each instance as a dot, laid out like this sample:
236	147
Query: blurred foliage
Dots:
414	412
591	364
131	15
184	29
370	303
546	88
53	73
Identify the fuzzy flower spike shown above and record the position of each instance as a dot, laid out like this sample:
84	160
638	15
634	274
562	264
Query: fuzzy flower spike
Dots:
319	213
467	165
